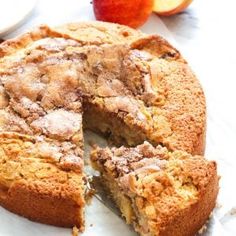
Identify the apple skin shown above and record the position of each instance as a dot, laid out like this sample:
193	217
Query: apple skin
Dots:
133	13
175	10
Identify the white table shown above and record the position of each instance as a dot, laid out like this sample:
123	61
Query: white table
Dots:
206	36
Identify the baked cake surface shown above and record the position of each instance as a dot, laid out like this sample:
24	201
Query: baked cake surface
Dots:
127	85
159	192
166	103
133	91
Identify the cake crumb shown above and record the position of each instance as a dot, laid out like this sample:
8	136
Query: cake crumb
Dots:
91	225
75	231
89	195
203	229
90	191
233	212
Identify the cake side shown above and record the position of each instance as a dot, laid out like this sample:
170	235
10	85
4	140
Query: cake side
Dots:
42	179
159	192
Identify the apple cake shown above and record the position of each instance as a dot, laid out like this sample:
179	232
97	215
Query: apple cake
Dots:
109	78
157	191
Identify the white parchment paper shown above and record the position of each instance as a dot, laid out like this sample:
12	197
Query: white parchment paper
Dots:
100	221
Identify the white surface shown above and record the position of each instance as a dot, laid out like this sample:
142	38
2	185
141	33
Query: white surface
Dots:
205	35
14	12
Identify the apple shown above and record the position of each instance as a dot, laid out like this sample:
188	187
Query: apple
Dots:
133	13
170	7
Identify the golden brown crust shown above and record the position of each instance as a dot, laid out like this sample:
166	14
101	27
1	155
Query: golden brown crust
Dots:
185	109
12	45
39	202
171	193
97	32
158	46
184	104
191	220
42	179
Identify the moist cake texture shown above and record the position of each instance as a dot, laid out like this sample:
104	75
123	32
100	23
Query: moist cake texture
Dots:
159	192
106	77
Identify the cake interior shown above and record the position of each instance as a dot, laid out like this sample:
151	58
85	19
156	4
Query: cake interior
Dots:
123	202
111	126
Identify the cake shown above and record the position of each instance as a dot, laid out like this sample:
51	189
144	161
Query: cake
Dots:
157	191
55	82
42	179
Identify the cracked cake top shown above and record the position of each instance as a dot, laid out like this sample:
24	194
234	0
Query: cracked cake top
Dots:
140	79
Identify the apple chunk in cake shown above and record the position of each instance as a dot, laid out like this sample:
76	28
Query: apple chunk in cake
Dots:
159	192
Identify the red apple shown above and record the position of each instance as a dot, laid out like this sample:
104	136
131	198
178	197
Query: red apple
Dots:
170	7
133	13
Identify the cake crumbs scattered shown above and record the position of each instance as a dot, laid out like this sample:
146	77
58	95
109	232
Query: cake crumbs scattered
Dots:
75	231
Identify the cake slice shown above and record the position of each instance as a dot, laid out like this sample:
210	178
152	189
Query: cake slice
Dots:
157	191
42	179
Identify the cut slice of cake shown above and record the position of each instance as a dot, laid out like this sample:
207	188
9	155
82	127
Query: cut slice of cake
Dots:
42	179
159	192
